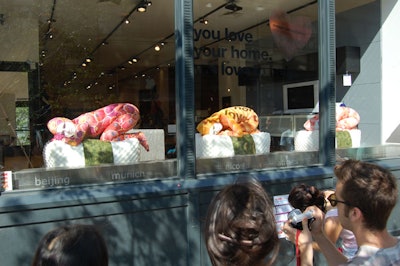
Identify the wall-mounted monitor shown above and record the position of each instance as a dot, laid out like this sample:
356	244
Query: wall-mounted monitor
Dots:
300	97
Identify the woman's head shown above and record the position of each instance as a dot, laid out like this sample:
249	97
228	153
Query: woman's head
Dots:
240	226
72	245
303	196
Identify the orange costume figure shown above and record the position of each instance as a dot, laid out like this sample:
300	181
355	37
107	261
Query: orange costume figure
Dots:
110	123
233	121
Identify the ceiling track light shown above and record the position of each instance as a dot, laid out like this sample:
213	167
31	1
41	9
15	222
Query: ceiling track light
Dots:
233	7
158	46
204	21
142	7
133	60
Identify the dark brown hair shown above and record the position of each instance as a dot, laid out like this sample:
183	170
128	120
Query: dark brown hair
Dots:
240	226
303	196
369	187
72	245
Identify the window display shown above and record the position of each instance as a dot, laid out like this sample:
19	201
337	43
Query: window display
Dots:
256	87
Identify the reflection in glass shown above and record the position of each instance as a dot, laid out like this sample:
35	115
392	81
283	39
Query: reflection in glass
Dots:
67	58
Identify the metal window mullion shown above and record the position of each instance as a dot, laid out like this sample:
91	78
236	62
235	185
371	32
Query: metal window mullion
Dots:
327	80
184	89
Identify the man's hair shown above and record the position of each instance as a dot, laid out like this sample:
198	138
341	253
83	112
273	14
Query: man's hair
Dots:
72	245
303	196
369	187
240	226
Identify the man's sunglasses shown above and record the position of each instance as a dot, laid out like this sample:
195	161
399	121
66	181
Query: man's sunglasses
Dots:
333	201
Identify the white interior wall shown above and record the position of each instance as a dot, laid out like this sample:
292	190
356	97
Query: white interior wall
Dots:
361	28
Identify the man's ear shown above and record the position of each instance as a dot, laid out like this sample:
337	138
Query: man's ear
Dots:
356	214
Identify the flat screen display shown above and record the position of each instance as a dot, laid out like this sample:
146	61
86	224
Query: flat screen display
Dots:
300	97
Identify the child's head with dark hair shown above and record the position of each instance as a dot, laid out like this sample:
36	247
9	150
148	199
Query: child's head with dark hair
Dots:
72	245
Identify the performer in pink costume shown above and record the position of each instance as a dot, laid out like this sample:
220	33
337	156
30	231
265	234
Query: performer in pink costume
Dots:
110	123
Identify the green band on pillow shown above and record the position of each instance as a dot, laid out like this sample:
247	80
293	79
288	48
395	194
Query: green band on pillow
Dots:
243	145
97	152
343	139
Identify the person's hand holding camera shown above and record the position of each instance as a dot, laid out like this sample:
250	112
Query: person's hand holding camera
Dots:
302	240
317	226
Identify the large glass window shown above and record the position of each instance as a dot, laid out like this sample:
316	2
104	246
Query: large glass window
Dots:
264	56
71	59
254	58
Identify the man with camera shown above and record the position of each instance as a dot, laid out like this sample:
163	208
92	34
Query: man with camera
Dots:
365	197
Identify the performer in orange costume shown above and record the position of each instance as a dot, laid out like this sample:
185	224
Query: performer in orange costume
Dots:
233	121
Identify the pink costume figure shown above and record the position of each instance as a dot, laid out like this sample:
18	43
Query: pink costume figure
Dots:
110	123
346	119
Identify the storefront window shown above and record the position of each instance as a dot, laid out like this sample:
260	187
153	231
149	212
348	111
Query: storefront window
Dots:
258	59
268	60
364	79
257	85
73	59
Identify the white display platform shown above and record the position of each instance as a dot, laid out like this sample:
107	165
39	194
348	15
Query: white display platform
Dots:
60	154
57	153
156	141
309	140
210	146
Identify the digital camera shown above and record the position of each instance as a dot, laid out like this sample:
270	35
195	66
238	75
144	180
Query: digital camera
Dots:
296	217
